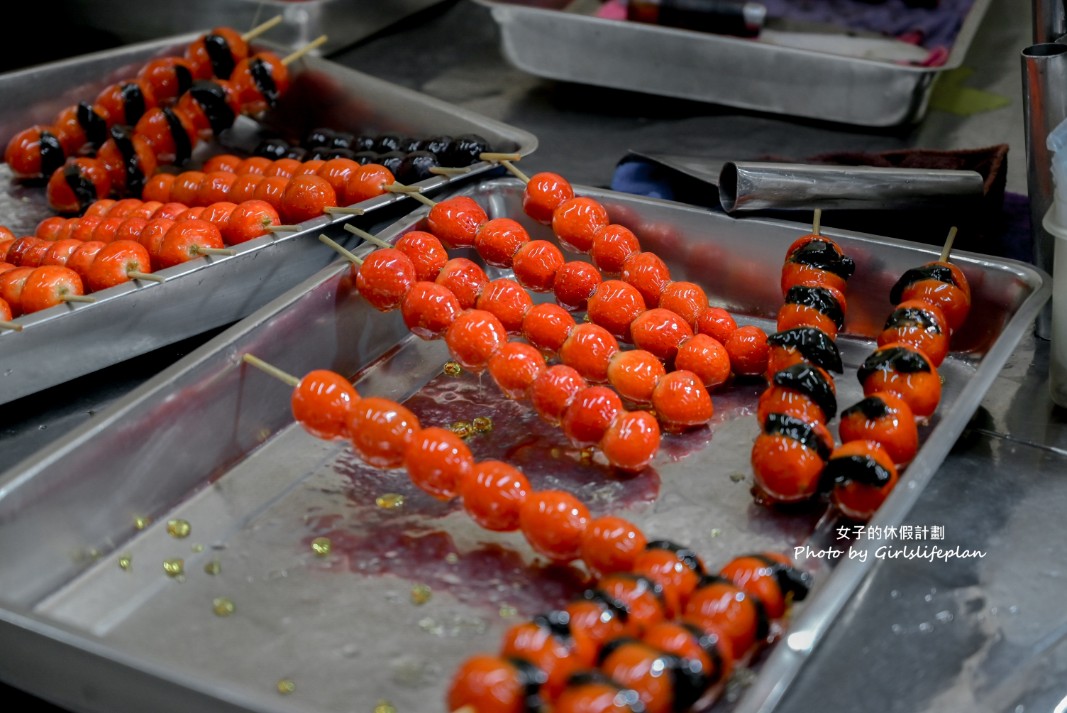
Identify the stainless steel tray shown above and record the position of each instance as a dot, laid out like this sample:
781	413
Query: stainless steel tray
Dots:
343	21
211	441
541	38
64	342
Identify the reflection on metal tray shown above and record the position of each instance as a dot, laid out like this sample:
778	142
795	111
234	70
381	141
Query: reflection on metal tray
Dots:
211	442
542	39
209	292
343	21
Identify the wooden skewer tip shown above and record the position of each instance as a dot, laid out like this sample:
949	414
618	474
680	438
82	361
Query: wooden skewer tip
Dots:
11	325
816	221
137	275
309	47
947	249
261	28
345	252
410	191
282	228
79	298
450	170
497	156
216	251
341	210
514	171
270	369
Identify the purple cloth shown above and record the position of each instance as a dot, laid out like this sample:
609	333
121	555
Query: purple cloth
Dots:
931	27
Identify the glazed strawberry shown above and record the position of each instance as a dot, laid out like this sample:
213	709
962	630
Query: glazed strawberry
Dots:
498	240
748	351
536	263
553	522
514	367
322	403
553	391
384	278
615	305
464	278
492	493
574	284
705	357
634	374
473	337
576	221
631	441
547	326
381	430
590	414
589	349
681	401
543	194
429	309
456	221
506	299
649	274
685	299
613	244
660	331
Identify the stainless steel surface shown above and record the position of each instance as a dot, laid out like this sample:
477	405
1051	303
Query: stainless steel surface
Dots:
343	21
211	441
717	69
1049	20
1044	79
209	292
758	185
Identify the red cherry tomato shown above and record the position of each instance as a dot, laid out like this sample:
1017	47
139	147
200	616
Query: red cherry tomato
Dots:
717	323
473	337
611	544
677	570
543	194
157	187
82	258
152	236
426	253
384	278
126	101
554	390
886	419
548	643
486	683
170	133
769	577
507	300
547	326
941	284
536	263
498	240
613	244
682	402
788	458
34	152
464	278
649	274
705	357
77	184
576	221
493	493
634	374
631	441
215	187
306	197
212	106
259	82
381	430
590	414
114	263
553	522
614	305
574	284
169	77
660	332
437	460
216	53
863	475
321	403
748	350
514	367
589	349
185	241
48	286
369	181
724	607
128	159
429	309
686	299
455	221
906	372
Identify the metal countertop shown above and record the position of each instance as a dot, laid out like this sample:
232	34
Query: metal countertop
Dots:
975	634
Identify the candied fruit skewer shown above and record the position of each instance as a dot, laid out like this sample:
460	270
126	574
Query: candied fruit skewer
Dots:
680	399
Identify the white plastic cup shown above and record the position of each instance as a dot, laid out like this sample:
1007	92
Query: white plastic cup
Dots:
1056	225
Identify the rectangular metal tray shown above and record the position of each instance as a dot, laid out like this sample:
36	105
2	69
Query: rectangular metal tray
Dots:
211	441
344	22
67	341
540	37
